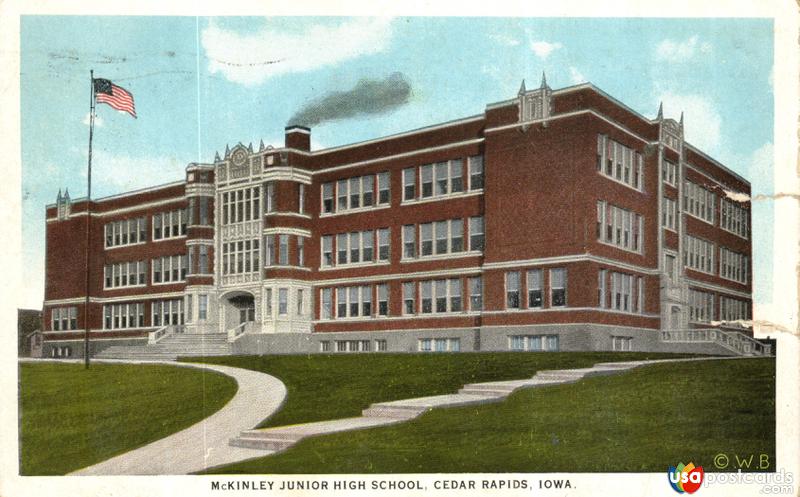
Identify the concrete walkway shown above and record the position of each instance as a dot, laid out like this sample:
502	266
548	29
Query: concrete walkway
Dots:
271	440
204	444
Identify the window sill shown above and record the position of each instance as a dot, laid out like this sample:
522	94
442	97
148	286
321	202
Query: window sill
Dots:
180	237
439	257
354	265
126	287
357	210
449	196
619	182
124	245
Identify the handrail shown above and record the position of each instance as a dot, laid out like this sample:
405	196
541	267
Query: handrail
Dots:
157	335
733	340
237	332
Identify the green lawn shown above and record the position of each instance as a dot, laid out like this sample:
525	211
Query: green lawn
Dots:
72	418
322	387
639	421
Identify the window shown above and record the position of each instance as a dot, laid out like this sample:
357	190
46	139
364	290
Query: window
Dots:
383	244
126	232
456	176
476	233
512	290
426	239
731	309
621	344
189	308
341	302
669	173
533	343
476	172
324	346
204	258
283	301
698	202
204	211
409	183
300	302
327	304
602	282
426	289
283	250
439	344
119	316
383	188
383	299
733	265
64	318
354	301
170	269
734	218
409	297
269	257
409	241
202	307
268	302
619	163
355	247
301	198
456	235
341	195
441	228
621	292
440	286
301	251
620	227
355	193
243	256
669	213
475	293
455	294
698	254
558	287
426	174
380	346
167	312
368	190
327	198
327	251
243	205
701	306
125	274
535	289
366	300
341	248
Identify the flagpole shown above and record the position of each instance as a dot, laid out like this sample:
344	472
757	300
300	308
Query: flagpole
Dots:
88	224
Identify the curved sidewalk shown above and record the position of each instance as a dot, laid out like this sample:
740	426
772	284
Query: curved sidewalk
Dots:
204	444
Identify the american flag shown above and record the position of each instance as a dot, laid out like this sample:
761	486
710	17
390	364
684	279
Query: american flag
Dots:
117	97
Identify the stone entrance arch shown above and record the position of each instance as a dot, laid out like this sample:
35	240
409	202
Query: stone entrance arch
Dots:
238	306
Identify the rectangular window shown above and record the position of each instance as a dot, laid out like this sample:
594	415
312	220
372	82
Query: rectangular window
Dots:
283	301
622	164
698	254
383	188
409	183
204	211
366	300
353	300
341	302
327	198
558	287
368	190
324	346
283	250
126	232
512	290
268	302
441	237
734	218
669	214
698	202
383	299
440	286
301	251
355	193
456	235
701	306
327	251
426	239
269	242
409	297
670	173
476	172
380	346
620	227
442	172
476	233
301	198
355	247
409	241
621	292
455	294
731	309
383	244
300	303
204	259
426	289
341	248
325	311
341	195
475	294
426	174
456	176
733	266
535	289
602	282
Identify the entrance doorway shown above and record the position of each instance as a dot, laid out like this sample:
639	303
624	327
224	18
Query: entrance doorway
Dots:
246	306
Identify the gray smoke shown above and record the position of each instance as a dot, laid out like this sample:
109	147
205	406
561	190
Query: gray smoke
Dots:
368	96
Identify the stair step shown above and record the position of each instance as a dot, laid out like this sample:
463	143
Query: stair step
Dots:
261	443
396	412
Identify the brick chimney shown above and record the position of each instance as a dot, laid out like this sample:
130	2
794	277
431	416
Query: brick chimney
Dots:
298	137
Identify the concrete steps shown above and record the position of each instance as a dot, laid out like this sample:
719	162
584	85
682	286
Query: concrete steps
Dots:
172	347
398	411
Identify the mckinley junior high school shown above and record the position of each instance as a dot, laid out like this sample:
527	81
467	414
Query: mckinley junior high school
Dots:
557	220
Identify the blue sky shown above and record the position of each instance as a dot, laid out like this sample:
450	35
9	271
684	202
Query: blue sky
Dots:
202	83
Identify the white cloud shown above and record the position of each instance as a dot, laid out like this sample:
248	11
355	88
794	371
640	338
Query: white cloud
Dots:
98	121
116	173
250	59
543	49
760	170
576	76
677	51
703	122
504	40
